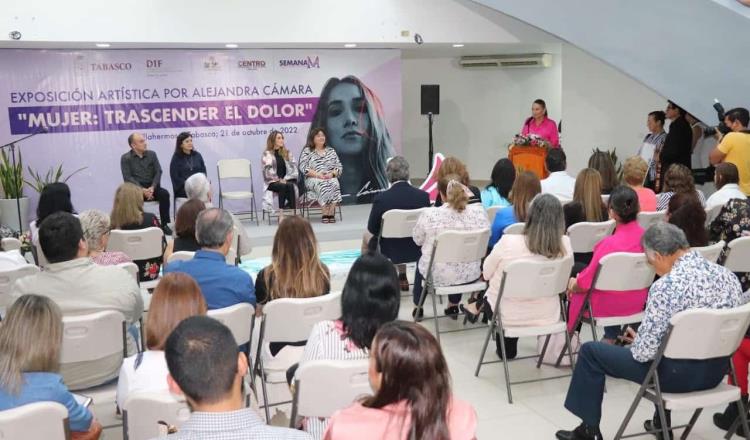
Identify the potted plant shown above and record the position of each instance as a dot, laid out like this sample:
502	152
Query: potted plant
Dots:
53	175
11	178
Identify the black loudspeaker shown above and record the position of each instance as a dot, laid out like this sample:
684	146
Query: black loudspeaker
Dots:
430	99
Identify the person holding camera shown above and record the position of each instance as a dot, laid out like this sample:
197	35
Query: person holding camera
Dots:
734	147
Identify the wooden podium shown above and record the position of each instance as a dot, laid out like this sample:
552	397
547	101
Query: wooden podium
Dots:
528	158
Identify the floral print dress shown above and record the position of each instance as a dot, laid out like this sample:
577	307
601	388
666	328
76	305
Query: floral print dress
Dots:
732	221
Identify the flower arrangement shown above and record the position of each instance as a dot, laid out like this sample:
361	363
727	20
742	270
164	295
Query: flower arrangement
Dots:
531	140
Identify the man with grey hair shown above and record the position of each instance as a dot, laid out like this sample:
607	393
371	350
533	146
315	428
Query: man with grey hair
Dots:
222	285
198	187
688	281
401	195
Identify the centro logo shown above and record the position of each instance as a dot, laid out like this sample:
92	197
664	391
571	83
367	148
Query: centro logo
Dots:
109	67
251	64
309	62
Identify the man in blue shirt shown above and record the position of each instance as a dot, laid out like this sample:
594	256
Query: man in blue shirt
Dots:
222	285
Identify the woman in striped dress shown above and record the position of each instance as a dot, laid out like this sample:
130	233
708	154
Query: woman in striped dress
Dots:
321	166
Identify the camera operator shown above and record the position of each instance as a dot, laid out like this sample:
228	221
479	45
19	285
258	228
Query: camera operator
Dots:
734	147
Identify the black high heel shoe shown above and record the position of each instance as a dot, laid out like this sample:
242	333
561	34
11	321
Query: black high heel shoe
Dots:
452	312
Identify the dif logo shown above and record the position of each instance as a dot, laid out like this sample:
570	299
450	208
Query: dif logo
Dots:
154	64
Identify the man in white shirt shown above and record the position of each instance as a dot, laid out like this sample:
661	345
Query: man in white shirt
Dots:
558	183
727	180
79	286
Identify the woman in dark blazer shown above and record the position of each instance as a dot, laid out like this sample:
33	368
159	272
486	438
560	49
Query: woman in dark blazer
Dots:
185	162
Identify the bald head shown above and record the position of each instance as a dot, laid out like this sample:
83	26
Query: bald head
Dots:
137	142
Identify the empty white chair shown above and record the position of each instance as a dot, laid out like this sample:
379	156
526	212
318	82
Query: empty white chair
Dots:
646	219
454	247
181	256
290	320
7	278
142	413
237	169
696	334
492	212
139	244
399	223
515	228
738	256
35	421
240	318
711	252
322	387
530	279
585	235
10	244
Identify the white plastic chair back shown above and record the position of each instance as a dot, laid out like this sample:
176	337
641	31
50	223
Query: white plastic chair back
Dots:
461	246
399	223
707	333
41	260
712	212
233	248
292	319
8	277
585	235
92	337
239	318
10	244
515	228
492	212
35	421
132	269
646	219
621	271
526	278
143	411
738	259
605	199
234	169
181	256
326	386
711	252
140	244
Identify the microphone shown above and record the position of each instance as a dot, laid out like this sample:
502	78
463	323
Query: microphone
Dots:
42	129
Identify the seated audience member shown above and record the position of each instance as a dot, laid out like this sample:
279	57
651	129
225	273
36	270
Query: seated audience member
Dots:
733	221
558	183
623	208
370	298
452	165
543	238
413	397
30	342
176	297
525	188
79	286
727	181
184	228
127	214
688	281
455	215
497	193
205	366
686	212
587	204
95	225
401	195
198	187
634	174
12	259
222	285
602	162
54	197
678	179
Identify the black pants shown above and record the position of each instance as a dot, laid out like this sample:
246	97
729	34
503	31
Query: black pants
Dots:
285	192
161	195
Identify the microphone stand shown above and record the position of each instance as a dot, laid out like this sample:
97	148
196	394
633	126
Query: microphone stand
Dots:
430	147
12	146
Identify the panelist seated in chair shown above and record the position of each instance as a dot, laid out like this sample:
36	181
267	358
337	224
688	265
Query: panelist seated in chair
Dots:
688	281
279	172
322	168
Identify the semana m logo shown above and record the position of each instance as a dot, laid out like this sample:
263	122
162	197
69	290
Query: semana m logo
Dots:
309	62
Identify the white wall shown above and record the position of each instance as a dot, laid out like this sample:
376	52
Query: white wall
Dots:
480	110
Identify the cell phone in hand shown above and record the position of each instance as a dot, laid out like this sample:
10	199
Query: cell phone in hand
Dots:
86	401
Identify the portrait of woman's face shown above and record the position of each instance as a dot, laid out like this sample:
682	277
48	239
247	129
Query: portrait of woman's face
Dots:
348	121
278	140
319	139
187	145
537	110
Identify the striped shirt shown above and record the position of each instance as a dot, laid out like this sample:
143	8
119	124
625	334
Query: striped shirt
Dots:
233	425
662	200
650	151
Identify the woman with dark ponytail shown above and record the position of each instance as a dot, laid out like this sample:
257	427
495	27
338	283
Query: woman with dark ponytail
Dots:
413	398
540	125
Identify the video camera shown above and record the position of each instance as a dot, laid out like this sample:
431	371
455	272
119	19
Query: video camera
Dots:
721	126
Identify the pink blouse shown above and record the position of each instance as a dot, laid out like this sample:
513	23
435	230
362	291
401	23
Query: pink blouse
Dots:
546	130
646	199
393	422
627	238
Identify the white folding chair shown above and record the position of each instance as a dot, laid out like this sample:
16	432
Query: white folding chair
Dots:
8	278
180	256
10	244
35	421
515	228
41	260
240	318
178	202
585	235
646	219
399	223
139	244
323	387
91	339
530	279
290	320
711	252
237	169
696	334
492	212
232	257
143	413
454	247
605	199
131	268
738	255
712	212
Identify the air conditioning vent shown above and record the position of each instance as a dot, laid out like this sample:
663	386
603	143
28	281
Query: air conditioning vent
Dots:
508	61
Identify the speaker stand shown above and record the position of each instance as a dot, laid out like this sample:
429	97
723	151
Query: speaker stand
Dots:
430	150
